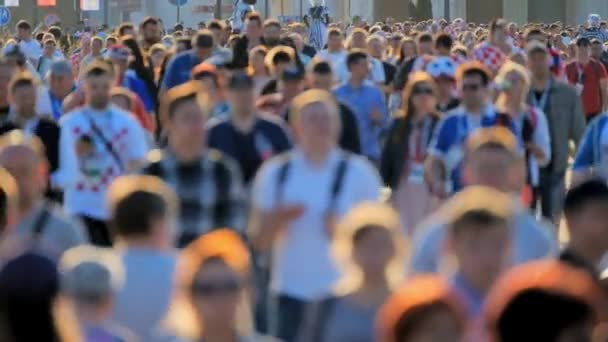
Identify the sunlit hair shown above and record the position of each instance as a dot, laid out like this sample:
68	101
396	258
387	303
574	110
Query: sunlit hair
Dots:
510	68
258	50
349	40
407	306
407	103
282	51
366	216
222	245
311	97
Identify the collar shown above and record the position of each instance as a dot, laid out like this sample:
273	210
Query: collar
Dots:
300	158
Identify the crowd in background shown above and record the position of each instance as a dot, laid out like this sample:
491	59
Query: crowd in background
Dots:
390	182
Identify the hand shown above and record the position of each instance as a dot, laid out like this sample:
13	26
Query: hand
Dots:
287	214
536	151
376	116
438	188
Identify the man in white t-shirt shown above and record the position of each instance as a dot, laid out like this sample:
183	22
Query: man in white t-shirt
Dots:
31	47
335	53
98	143
297	198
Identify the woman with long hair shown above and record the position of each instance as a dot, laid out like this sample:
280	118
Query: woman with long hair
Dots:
369	245
408	50
257	68
404	153
211	303
143	69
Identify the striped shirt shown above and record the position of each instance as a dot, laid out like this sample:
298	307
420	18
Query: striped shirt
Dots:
595	33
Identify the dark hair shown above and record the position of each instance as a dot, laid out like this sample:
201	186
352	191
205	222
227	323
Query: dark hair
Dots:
149	21
425	38
40	35
533	32
475	220
254	16
124	27
474	69
355	56
203	39
407	323
186	41
3	210
272	22
520	321
24	25
98	68
140	65
596	41
55	31
334	31
321	67
444	40
23	79
581	195
133	214
216	25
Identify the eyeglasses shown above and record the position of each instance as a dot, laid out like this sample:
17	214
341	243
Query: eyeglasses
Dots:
471	87
221	287
422	91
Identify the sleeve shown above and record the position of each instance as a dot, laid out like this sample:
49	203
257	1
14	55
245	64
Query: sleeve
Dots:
542	138
170	78
68	171
368	182
380	103
138	146
264	187
443	138
577	125
426	249
584	156
602	71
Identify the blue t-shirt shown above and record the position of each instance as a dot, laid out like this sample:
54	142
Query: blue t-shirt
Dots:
179	70
593	149
268	138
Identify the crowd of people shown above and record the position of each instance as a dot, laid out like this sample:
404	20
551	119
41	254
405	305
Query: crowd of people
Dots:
390	182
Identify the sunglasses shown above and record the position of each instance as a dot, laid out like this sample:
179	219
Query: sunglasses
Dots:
471	87
222	287
422	91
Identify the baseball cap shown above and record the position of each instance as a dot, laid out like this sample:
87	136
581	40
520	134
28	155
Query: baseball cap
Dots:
90	273
292	74
60	68
240	80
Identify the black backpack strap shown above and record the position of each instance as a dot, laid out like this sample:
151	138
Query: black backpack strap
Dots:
325	308
221	175
282	176
40	223
337	182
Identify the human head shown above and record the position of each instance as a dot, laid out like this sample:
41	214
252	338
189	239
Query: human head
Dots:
280	58
480	234
97	85
272	32
597	49
183	44
291	82
61	78
513	82
594	20
498	31
583	49
535	34
240	94
111	40
188	109
369	244
126	29
25	159
257	57
253	25
208	77
567	299
49	47
122	98
142	209
96	45
424	308
419	95
151	30
56	32
218	28
538	59
443	70
22	94
157	54
203	43
443	44
24	30
492	159
586	212
320	75
376	46
315	119
473	79
408	48
335	40
357	63
298	41
90	277
357	39
213	273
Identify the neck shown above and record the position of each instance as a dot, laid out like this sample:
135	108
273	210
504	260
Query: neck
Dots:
148	242
187	155
317	158
213	333
25	207
444	98
243	122
59	95
89	315
24	116
332	50
356	81
539	81
474	109
418	114
513	107
99	107
586	251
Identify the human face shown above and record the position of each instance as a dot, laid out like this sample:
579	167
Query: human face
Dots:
590	225
23	100
216	292
409	49
187	128
425	48
499	36
253	28
423	97
151	33
61	85
482	254
242	101
474	92
374	251
256	61
29	173
49	48
596	51
335	43
376	48
272	34
358	41
438	325
493	168
157	58
539	64
218	35
96	46
97	90
360	69
515	89
583	52
325	82
24	34
317	128
120	65
291	89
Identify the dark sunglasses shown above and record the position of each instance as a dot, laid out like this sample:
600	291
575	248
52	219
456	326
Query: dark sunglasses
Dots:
225	287
471	87
422	91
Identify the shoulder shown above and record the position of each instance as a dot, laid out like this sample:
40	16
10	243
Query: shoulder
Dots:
72	118
218	124
272	166
273	122
360	165
217	158
564	88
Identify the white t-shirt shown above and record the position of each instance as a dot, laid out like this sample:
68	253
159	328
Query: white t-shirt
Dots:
337	60
303	265
31	49
86	178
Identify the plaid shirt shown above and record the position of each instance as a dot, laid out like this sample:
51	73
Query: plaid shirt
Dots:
210	192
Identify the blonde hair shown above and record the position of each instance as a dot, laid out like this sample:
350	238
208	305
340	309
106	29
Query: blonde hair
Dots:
507	69
370	214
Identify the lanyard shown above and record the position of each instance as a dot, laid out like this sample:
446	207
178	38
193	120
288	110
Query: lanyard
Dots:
580	73
57	106
544	98
418	140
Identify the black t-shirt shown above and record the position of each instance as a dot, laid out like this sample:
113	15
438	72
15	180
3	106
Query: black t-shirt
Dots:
267	139
570	258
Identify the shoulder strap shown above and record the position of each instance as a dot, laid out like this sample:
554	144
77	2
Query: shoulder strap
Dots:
107	144
282	177
222	187
40	223
338	181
